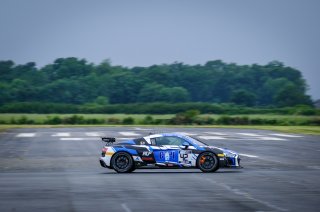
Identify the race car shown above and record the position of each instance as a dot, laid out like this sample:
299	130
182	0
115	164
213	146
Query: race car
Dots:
165	150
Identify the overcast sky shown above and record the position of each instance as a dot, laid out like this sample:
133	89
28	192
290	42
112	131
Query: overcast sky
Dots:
146	32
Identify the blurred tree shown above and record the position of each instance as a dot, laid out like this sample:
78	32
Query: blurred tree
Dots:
5	94
73	80
102	100
243	97
104	67
174	94
151	93
290	95
6	68
124	87
67	68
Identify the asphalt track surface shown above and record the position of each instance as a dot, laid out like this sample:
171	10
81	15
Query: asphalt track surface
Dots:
57	169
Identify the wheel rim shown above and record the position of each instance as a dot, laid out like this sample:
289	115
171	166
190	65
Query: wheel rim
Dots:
207	162
122	162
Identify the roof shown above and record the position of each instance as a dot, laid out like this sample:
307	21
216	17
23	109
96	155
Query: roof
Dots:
147	138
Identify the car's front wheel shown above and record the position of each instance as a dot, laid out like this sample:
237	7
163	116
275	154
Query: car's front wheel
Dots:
122	162
208	162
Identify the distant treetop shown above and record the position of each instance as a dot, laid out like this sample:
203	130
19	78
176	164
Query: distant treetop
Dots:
73	80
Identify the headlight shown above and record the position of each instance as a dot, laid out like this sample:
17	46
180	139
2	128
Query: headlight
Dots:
230	155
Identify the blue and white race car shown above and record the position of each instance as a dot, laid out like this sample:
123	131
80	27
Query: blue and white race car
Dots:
167	150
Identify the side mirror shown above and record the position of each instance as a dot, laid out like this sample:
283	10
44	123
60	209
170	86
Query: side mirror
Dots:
185	145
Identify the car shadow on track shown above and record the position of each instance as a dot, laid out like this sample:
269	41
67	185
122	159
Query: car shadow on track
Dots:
175	172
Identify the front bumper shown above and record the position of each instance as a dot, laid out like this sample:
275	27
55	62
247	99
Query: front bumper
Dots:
230	161
233	161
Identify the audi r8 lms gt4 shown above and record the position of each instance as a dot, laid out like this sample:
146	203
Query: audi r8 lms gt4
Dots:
166	150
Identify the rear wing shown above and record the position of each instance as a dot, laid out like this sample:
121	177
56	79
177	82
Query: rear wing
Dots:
108	140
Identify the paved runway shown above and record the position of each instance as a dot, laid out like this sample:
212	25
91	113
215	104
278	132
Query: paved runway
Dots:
57	169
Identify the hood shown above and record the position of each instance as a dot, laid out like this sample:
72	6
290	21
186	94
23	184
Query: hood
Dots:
226	151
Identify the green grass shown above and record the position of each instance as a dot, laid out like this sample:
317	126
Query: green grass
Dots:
39	118
309	130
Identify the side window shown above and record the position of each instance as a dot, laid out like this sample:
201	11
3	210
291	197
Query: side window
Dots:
169	140
162	141
140	141
153	141
176	141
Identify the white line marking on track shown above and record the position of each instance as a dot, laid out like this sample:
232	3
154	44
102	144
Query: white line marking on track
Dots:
125	207
26	135
62	134
93	134
138	128
287	135
314	167
79	139
124	138
212	137
272	138
249	134
249	156
129	133
186	133
72	139
216	133
245	195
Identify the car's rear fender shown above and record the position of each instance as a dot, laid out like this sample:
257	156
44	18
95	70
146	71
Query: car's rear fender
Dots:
111	165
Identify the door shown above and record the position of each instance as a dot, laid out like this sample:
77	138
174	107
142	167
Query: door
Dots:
168	149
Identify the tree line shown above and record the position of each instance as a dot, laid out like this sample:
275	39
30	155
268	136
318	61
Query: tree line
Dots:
76	81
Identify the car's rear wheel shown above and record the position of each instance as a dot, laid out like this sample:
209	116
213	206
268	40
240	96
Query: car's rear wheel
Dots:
122	162
208	162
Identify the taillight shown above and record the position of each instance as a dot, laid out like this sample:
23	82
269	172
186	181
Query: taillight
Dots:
104	150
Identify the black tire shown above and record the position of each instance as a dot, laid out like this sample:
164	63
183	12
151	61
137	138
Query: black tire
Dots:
122	162
133	169
208	162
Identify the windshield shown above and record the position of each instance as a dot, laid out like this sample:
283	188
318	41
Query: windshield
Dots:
196	141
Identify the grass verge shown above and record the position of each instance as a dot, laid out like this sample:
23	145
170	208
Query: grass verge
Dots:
308	130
